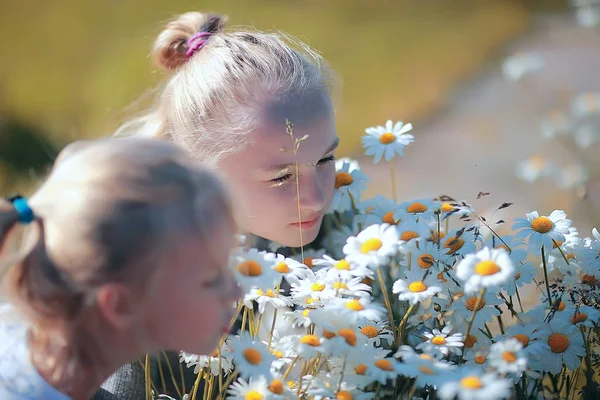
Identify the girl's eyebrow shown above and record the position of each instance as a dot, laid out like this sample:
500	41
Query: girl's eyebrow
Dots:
283	168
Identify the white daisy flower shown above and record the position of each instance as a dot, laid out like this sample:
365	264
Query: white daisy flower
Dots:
382	369
349	310
373	246
202	361
325	387
486	268
343	269
276	300
518	65
589	255
464	307
414	288
348	188
256	388
251	357
507	357
341	342
376	331
377	210
413	233
416	209
470	384
585	103
291	270
308	346
387	141
441	343
542	230
566	346
531	337
427	370
253	268
579	315
477	359
353	287
459	242
534	168
426	257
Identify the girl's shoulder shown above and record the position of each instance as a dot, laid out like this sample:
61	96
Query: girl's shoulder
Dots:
19	380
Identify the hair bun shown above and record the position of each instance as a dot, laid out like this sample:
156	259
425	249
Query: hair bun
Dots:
171	45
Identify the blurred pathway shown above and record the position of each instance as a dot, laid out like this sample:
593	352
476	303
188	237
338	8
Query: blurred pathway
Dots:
490	125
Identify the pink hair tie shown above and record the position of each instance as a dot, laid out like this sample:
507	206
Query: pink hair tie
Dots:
196	43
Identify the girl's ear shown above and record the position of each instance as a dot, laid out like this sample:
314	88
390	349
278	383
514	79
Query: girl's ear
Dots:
118	304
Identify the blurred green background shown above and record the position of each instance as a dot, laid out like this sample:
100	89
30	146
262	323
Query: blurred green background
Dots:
78	68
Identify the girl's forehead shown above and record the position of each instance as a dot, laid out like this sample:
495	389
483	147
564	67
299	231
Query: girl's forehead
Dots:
301	109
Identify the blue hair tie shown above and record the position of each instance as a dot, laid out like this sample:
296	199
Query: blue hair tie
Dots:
25	212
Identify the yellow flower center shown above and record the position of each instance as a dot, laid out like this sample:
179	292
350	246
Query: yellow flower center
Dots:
522	338
417	287
371	245
440	276
342	265
558	343
425	261
480	359
470	341
425	370
471	301
252	356
277	353
310	340
408	235
447	207
437	236
308	261
487	267
589	279
578	317
343	179
388	218
370	331
317	287
541	225
344	395
425	356
453	244
327	334
354	305
384	365
269	293
249	268
387	138
438	340
282	267
416	208
509	356
349	335
291	384
471	382
340	285
253	395
561	306
311	300
276	386
360	369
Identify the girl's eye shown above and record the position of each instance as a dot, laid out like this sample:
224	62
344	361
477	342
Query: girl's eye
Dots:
326	160
281	179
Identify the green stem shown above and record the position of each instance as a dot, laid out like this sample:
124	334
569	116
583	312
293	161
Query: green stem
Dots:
546	277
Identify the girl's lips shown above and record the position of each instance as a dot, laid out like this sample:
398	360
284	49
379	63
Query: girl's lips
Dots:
307	224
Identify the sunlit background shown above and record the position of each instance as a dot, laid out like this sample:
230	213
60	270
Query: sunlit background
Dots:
504	94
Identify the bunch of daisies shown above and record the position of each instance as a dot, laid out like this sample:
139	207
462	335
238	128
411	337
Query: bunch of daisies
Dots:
415	299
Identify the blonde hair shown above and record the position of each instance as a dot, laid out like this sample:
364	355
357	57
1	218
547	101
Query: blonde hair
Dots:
214	98
106	213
